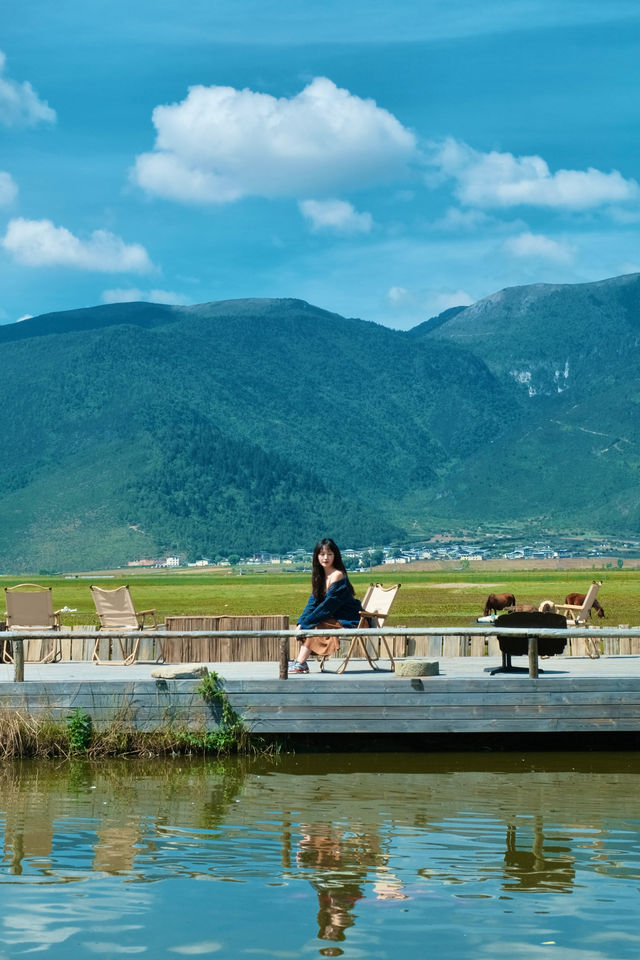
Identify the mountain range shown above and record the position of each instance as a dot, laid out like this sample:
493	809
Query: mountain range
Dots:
137	429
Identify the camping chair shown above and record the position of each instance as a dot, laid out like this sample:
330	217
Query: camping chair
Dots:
519	646
375	608
117	614
29	606
577	615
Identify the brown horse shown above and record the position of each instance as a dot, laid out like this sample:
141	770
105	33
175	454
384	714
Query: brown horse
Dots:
498	601
577	599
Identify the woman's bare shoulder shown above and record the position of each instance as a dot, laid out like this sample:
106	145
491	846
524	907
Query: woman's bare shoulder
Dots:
334	578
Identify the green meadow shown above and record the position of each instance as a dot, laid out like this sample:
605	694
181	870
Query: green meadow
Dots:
444	598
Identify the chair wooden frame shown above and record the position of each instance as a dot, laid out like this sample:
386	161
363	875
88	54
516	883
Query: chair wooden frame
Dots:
117	616
577	615
376	605
29	606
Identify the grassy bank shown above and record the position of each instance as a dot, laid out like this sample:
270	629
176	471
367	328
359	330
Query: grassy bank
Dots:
429	597
41	738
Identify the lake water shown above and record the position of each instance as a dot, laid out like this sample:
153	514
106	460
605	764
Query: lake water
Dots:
355	855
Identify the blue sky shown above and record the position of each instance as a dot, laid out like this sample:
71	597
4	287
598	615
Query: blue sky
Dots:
381	161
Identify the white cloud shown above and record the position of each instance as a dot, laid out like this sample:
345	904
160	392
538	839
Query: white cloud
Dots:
443	301
400	296
120	295
20	104
26	316
456	219
39	243
431	301
335	215
536	245
148	296
8	189
625	214
503	180
220	144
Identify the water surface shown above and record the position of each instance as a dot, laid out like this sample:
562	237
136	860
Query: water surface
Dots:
354	855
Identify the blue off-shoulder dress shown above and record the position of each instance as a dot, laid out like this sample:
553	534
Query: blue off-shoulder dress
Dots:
339	604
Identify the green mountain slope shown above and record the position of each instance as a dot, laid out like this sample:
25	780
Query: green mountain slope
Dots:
572	353
137	430
227	427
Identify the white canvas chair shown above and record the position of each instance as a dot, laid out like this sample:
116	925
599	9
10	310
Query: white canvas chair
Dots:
577	614
29	606
376	604
117	615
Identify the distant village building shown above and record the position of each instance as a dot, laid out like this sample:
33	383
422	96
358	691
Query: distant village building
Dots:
172	562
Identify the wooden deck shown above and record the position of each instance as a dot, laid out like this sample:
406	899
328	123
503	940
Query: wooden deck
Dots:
573	694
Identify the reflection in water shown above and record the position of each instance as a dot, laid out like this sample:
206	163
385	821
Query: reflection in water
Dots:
536	866
336	874
338	863
361	853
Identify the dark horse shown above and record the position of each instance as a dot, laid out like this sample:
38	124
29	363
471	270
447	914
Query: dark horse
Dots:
577	599
498	601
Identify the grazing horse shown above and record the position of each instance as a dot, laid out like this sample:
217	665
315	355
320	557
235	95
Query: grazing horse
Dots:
498	601
577	599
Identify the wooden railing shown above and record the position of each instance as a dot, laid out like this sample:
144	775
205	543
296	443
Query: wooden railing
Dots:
477	640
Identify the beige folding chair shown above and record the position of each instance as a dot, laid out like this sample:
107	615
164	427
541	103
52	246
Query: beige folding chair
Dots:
376	605
577	615
117	615
29	606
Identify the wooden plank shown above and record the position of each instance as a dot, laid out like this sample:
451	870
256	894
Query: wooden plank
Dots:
146	650
454	646
423	706
436	685
327	699
424	646
177	716
478	646
485	725
397	645
77	648
507	701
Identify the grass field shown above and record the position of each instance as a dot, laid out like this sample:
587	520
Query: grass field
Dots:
450	597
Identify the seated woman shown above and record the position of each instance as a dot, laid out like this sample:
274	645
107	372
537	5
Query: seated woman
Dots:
331	605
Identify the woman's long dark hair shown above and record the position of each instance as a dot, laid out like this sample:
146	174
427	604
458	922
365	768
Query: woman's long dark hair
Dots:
317	576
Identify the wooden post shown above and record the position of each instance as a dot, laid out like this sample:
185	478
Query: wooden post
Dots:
284	658
18	653
533	657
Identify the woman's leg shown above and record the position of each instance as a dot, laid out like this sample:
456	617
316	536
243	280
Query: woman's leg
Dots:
321	646
303	653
